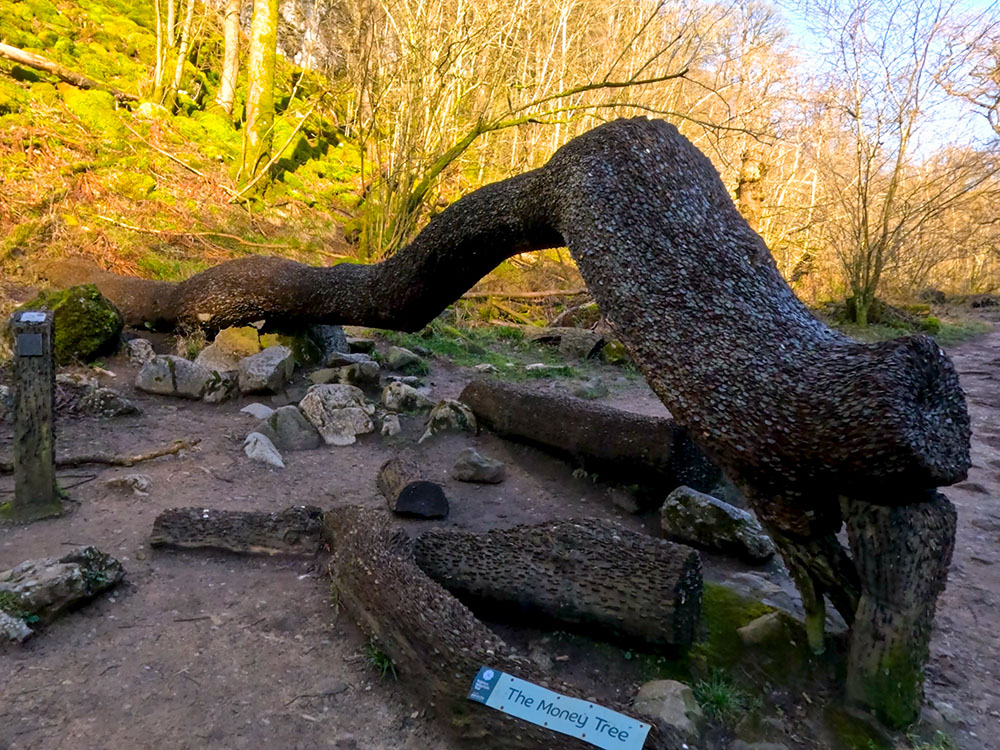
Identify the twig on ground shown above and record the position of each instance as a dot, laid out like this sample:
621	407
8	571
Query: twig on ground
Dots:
111	459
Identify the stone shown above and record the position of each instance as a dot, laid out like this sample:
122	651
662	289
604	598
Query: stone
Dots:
591	389
106	403
400	358
267	371
6	403
168	375
359	345
329	341
674	703
411	380
756	586
257	410
769	628
325	375
236	343
485	367
221	387
390	425
13	629
139	351
138	484
338	412
215	357
360	374
85	324
342	359
291	395
259	448
400	397
950	714
473	467
695	518
76	380
289	430
449	415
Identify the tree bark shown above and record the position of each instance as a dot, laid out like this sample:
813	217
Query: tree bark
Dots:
61	72
293	531
401	482
591	573
260	87
653	452
231	58
903	554
435	642
182	52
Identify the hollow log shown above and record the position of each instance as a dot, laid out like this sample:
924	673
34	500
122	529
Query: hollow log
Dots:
616	444
435	642
903	554
795	413
591	573
294	531
401	482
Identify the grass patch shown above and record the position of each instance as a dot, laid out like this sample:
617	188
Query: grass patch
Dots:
723	700
378	659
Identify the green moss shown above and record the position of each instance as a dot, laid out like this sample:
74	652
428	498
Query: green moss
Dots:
851	733
723	612
135	185
86	324
893	689
931	325
96	109
241	342
13	604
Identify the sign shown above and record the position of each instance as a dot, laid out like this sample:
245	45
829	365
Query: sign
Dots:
587	721
32	317
29	345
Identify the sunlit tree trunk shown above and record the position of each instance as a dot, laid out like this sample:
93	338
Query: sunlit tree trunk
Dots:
182	52
231	61
260	89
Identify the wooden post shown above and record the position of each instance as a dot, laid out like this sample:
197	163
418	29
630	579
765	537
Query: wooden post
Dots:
36	494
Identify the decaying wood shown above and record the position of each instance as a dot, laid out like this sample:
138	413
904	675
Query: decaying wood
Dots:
435	642
903	554
615	444
297	530
572	342
401	482
61	72
592	573
113	459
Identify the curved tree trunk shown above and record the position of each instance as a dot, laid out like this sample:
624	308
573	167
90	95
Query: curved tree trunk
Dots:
795	413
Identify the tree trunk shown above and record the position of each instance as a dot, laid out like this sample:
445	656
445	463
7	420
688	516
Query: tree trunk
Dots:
436	644
653	452
182	52
293	531
61	72
260	88
903	554
231	60
591	573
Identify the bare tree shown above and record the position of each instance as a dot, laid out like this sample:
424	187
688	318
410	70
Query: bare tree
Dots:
231	59
260	88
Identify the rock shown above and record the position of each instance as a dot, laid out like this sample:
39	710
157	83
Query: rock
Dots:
360	374
401	397
390	425
695	518
769	628
106	403
591	389
579	343
338	412
139	484
289	430
756	586
329	341
6	403
236	343
222	387
542	367
267	371
485	367
168	375
13	629
259	411
674	703
411	380
76	380
291	395
400	358
472	467
950	714
139	351
214	357
86	324
325	375
452	415
259	448
358	345
342	359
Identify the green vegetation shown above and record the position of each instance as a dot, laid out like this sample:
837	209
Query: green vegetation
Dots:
723	700
941	741
380	661
86	324
14	605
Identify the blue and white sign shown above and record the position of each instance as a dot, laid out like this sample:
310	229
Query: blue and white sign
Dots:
591	723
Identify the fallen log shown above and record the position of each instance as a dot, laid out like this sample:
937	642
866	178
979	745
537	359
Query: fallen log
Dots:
294	531
580	343
111	459
619	445
435	642
591	573
401	483
61	72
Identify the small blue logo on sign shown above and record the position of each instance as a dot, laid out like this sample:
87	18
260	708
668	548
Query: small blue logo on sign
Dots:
591	723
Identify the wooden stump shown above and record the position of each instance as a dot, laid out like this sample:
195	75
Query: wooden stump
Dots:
592	573
401	481
902	554
293	531
36	494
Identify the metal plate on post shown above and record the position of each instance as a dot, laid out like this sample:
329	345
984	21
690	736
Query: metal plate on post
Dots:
29	345
32	317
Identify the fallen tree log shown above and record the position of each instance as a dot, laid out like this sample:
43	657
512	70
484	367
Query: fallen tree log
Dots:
591	573
401	483
61	72
615	444
294	531
435	642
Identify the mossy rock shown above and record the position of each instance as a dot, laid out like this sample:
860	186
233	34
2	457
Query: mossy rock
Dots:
723	612
96	109
304	349
239	342
135	185
87	325
931	325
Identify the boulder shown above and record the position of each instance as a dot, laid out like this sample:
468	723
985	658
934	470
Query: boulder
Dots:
674	703
400	397
338	412
695	518
106	403
222	387
473	467
359	345
168	375
774	627
486	367
138	484
267	371
342	359
289	430
449	415
13	629
390	425
578	343
139	351
400	358
411	380
259	411
360	374
86	324
214	357
259	448
329	340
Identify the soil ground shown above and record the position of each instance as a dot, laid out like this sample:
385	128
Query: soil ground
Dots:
211	650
